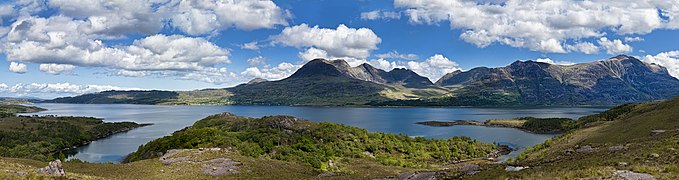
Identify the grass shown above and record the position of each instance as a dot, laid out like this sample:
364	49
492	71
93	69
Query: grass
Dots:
505	122
627	126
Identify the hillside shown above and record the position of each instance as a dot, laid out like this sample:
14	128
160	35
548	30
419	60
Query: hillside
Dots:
634	138
621	79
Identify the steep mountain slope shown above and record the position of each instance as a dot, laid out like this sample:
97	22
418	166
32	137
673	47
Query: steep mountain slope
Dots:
365	72
320	82
641	138
620	79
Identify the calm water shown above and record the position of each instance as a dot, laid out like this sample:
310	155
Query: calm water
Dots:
167	119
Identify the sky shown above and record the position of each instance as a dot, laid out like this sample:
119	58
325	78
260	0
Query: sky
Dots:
53	48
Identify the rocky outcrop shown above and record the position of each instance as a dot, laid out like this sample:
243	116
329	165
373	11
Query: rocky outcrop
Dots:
629	175
364	72
54	168
213	167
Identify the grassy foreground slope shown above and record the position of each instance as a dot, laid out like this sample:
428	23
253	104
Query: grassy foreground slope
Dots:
642	138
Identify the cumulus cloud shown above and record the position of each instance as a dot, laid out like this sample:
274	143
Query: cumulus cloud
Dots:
379	14
669	60
396	55
150	16
615	46
57	68
550	61
280	71
583	47
633	39
57	40
433	67
342	42
18	67
74	31
256	61
203	17
51	90
250	46
544	26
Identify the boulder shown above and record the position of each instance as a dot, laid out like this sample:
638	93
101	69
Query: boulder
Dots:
585	149
515	168
54	168
616	148
629	175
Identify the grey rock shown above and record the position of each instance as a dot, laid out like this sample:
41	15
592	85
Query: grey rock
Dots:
54	168
416	176
657	131
470	168
629	175
220	167
585	149
616	148
516	168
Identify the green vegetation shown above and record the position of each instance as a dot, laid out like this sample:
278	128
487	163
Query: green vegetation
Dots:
12	110
547	125
38	137
308	91
641	138
120	97
313	144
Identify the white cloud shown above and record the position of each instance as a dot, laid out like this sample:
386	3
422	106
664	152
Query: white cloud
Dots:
57	40
313	53
150	16
583	47
51	90
280	71
379	14
334	43
543	26
127	73
634	39
256	61
18	67
394	54
433	67
614	47
669	60
203	17
550	61
57	68
250	46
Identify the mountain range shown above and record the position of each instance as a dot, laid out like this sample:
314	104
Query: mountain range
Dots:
320	82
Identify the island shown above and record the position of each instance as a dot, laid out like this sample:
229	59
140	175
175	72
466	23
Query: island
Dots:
46	137
529	124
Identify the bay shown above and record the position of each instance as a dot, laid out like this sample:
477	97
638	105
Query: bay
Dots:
167	119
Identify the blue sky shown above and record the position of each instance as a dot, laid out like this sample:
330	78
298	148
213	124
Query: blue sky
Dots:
56	48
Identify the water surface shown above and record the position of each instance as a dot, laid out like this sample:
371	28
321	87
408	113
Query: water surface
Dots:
167	119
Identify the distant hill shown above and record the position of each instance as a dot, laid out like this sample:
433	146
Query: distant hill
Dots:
320	82
621	79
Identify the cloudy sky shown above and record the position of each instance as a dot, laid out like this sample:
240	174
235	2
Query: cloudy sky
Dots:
51	48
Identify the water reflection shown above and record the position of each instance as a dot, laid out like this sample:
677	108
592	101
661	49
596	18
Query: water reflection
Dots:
167	119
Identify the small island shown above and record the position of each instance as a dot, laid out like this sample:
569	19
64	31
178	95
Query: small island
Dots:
43	137
529	124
